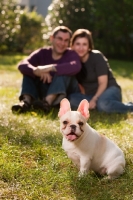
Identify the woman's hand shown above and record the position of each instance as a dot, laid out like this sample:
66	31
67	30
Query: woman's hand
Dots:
92	104
102	85
82	90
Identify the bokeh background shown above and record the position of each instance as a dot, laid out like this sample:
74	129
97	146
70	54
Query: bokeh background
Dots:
24	28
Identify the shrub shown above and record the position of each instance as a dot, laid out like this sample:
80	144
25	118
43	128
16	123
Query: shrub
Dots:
20	30
9	23
30	35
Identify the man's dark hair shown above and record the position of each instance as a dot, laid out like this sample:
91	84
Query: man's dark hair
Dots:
63	29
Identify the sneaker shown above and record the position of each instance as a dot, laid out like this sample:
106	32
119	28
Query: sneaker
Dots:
42	106
22	107
130	103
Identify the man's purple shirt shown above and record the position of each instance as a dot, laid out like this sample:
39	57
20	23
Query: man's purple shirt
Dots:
68	64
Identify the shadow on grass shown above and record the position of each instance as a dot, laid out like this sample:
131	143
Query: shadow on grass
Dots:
53	114
106	118
22	133
96	187
95	116
24	137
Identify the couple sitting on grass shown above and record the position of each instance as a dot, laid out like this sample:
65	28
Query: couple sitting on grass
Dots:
52	73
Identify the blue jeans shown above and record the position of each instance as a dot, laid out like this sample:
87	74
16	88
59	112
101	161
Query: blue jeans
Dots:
110	101
60	85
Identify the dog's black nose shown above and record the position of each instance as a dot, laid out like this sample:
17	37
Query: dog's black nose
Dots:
73	127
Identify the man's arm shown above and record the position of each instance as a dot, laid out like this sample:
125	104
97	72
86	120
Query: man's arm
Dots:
69	64
28	65
71	67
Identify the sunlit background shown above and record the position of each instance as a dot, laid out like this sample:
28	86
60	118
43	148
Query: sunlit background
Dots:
26	25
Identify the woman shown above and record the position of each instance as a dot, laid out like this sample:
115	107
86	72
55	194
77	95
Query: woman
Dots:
96	80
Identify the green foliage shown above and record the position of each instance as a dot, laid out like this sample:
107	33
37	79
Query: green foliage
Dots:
115	28
109	21
20	30
9	23
30	34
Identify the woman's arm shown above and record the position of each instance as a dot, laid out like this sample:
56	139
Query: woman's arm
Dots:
102	85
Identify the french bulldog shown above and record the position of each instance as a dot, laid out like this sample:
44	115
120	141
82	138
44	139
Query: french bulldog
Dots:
88	149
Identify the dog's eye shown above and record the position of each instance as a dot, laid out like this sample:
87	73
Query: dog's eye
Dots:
80	123
65	122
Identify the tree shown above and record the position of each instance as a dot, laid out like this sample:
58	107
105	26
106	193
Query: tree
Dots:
74	14
109	21
115	30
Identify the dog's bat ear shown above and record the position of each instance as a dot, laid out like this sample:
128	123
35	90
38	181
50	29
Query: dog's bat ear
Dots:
84	108
64	107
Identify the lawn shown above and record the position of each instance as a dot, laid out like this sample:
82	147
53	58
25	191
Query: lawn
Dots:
33	165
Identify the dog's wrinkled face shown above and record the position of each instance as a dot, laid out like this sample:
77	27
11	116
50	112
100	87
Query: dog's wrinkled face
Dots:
72	122
72	125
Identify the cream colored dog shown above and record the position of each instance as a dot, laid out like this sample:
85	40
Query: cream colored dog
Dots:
85	146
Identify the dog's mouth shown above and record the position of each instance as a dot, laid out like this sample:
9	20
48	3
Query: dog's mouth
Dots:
71	136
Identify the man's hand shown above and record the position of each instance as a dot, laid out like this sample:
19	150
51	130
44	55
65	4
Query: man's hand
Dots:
44	69
46	78
43	72
47	68
37	72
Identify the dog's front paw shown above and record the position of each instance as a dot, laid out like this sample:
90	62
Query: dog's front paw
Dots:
82	174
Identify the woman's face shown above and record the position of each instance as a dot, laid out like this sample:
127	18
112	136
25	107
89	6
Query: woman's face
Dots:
81	46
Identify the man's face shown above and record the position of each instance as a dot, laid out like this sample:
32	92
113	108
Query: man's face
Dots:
60	42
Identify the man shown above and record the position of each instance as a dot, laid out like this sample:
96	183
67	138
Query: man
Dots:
48	73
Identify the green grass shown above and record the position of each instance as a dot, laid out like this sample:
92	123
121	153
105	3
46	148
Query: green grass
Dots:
33	165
